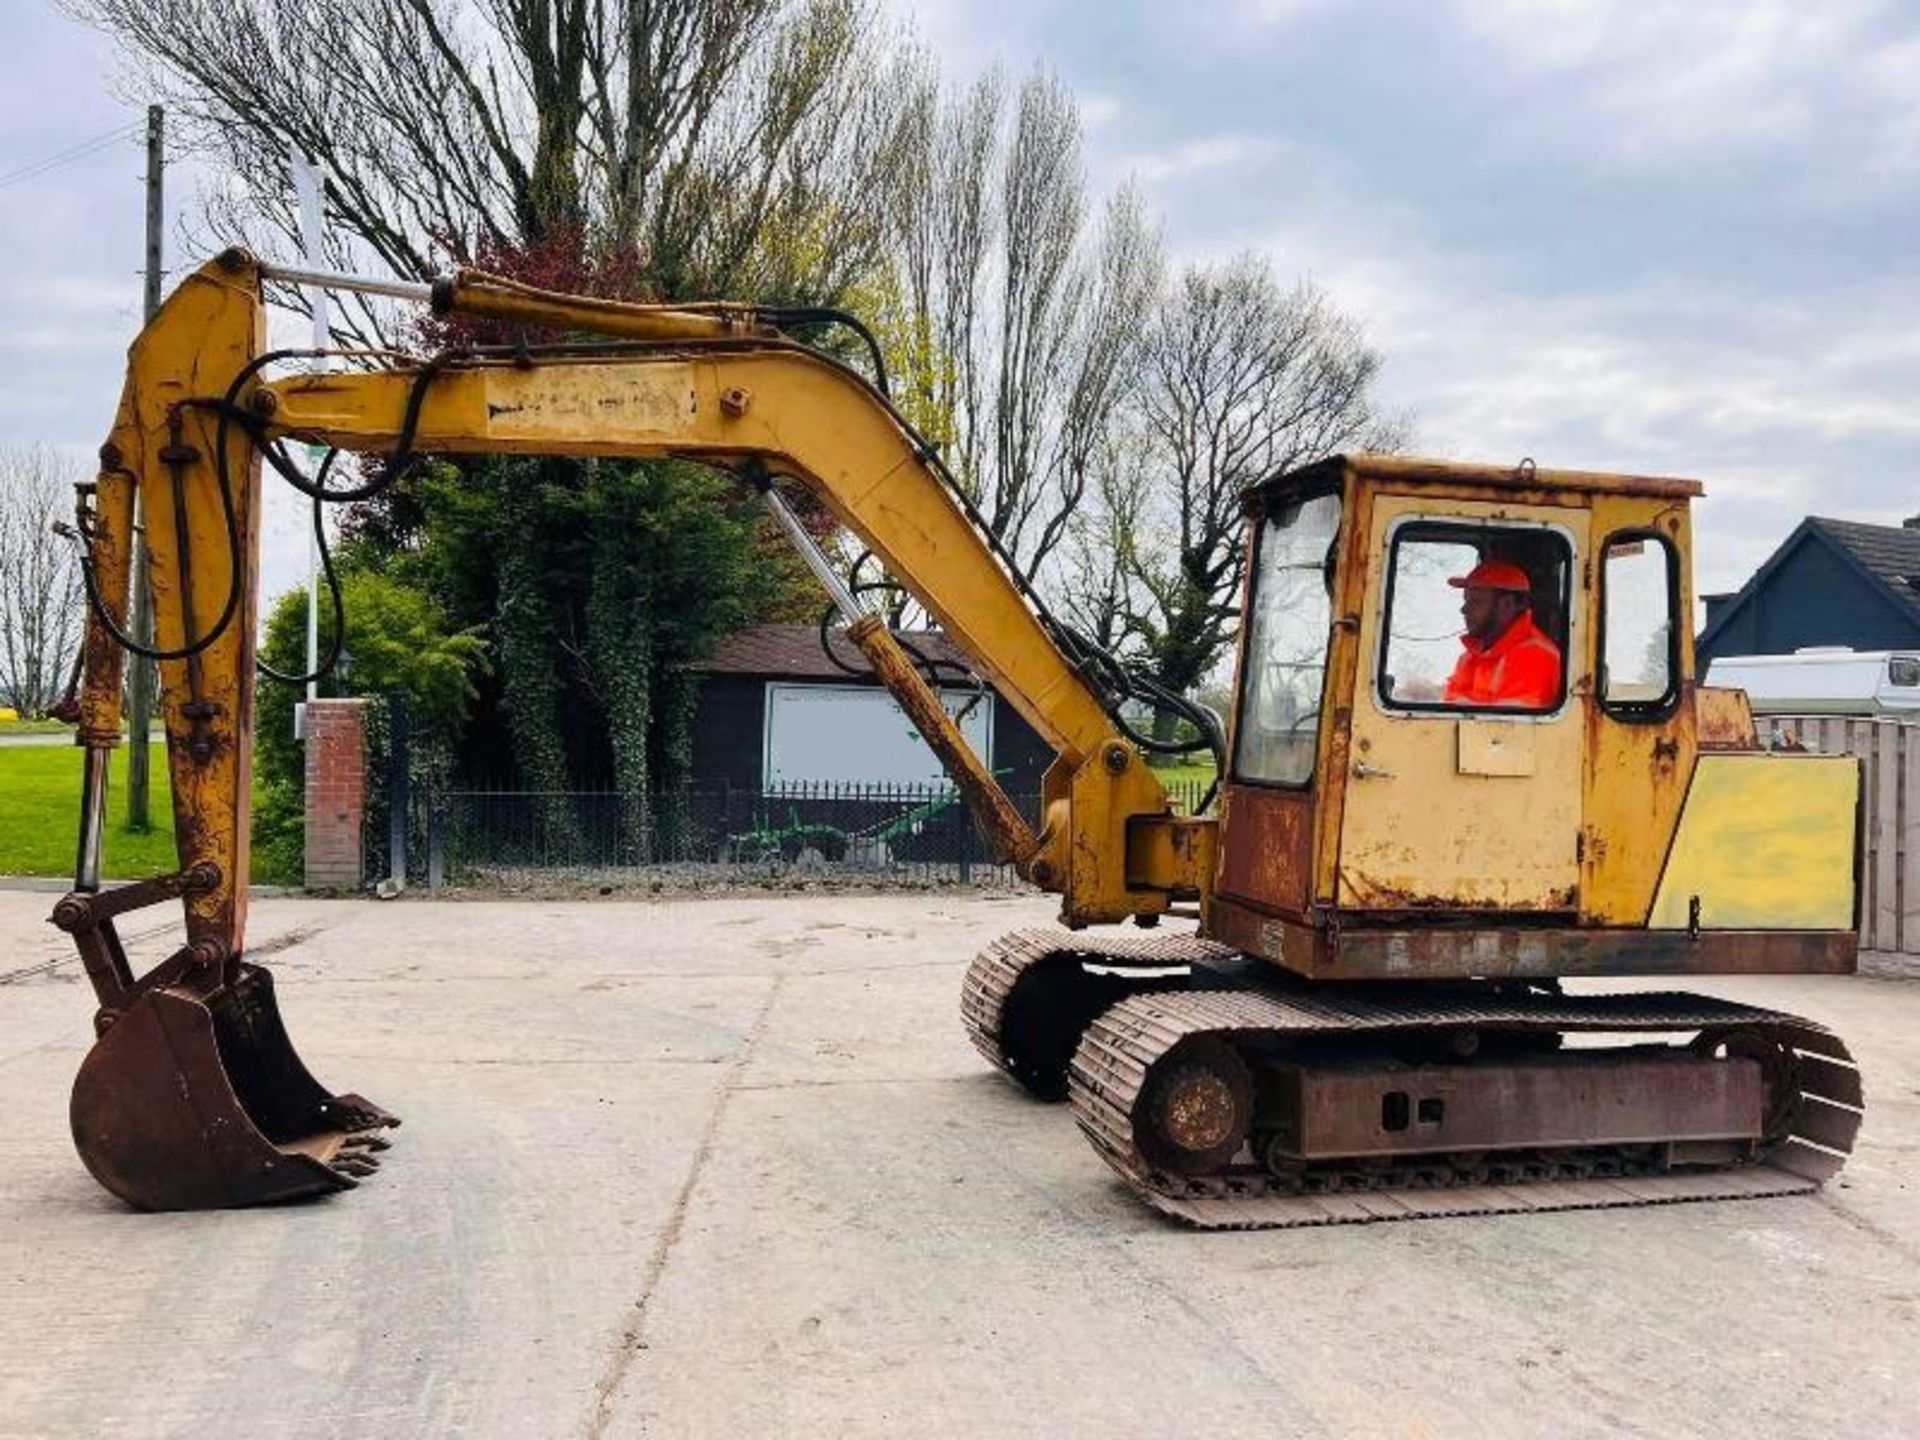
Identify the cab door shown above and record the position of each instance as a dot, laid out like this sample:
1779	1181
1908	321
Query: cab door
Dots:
1449	806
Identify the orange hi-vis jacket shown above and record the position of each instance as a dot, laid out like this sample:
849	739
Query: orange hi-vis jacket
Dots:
1520	669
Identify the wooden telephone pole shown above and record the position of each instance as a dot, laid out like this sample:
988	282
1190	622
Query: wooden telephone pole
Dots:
141	682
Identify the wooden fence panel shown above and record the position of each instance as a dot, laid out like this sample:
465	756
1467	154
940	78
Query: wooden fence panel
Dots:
1907	837
1890	869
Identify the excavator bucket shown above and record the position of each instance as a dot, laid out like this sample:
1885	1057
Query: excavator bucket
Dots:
192	1102
193	1097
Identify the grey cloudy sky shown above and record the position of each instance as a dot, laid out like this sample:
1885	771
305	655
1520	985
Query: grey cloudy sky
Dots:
1661	235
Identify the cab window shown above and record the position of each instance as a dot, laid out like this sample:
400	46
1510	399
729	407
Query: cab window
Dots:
1476	619
1639	663
1286	650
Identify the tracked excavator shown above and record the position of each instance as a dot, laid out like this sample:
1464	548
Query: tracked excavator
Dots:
1341	997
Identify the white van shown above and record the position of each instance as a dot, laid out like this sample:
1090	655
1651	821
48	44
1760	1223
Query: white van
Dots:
1824	680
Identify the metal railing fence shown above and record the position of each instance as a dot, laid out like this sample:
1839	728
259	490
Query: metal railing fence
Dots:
922	831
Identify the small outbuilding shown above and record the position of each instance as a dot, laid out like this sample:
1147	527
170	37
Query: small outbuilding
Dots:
776	714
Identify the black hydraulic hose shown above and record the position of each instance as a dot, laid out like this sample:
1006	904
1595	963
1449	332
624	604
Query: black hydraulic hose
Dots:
781	316
929	665
397	460
1166	700
228	411
1111	675
316	488
1112	678
225	410
194	646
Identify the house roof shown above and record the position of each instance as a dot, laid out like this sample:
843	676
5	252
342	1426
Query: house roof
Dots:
1891	552
793	652
1886	556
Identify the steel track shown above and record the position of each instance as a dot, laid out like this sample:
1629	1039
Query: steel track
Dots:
1118	1050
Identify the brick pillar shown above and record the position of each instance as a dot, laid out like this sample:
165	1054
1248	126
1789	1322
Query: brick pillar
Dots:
336	792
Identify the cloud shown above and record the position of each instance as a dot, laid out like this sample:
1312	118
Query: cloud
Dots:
1196	157
1666	235
1099	112
1891	75
1666	82
1274	14
1781	410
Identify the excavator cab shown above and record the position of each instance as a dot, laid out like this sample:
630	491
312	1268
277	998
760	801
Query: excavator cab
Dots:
1404	802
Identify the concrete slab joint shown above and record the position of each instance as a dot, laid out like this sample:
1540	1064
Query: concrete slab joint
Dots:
336	791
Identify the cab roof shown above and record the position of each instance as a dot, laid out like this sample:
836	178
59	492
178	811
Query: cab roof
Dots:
1405	470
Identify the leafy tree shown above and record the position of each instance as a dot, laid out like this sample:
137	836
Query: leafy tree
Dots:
398	640
599	584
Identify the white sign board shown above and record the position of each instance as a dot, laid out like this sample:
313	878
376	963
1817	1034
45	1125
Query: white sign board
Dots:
856	735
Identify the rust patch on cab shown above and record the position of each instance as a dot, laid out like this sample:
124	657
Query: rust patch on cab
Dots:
1267	847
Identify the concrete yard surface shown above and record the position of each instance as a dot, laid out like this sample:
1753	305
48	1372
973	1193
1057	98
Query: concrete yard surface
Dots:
729	1168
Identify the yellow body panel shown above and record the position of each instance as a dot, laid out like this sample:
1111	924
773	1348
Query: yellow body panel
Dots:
1494	747
1430	819
1766	842
1344	665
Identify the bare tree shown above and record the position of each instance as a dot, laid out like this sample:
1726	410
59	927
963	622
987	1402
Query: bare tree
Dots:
728	145
1102	373
1093	571
1017	317
1043	208
1241	380
40	603
664	148
941	217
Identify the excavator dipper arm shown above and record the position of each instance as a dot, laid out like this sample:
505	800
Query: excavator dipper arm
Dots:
193	1061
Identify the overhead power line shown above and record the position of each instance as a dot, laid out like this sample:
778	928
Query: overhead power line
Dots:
69	155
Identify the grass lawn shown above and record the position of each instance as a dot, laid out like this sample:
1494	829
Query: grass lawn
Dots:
33	727
40	814
1187	781
1189	771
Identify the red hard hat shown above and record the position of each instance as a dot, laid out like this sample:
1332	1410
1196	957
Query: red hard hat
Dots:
1493	575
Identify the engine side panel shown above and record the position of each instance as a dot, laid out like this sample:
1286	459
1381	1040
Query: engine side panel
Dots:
1765	842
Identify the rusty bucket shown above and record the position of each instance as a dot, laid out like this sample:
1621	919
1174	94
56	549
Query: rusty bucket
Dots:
192	1097
198	1102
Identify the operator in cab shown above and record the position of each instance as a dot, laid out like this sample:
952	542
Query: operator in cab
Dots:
1507	660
